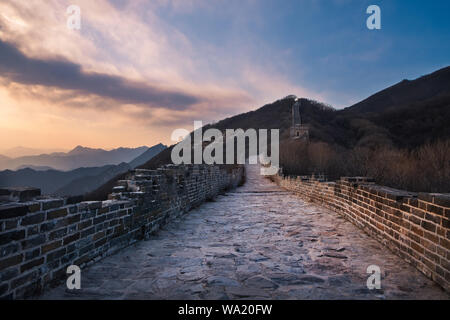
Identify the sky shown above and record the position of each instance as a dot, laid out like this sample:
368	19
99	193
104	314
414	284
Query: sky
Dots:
137	70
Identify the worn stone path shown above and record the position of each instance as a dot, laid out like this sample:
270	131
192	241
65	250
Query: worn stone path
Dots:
257	242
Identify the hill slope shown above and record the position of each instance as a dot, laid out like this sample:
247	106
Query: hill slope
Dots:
48	181
406	115
432	86
147	155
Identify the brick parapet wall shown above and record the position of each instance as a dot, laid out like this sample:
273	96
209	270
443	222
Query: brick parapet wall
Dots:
414	226
39	239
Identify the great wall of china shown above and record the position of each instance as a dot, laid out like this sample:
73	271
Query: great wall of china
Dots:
41	237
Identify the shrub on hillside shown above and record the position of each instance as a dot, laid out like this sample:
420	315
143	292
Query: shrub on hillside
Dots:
425	169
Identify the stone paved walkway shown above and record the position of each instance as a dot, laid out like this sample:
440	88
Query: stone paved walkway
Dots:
257	242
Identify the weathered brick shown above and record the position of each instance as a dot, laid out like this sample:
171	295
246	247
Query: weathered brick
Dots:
444	243
48	204
414	202
98	235
436	210
80	261
445	264
433	258
9	249
103	210
71	238
423	205
71	247
87	215
429	226
11	224
7	237
31	264
427	197
58	213
9	274
33	242
33	230
414	219
432	237
414	237
34	207
85	224
428	245
68	257
57	234
447	213
90	205
446	223
74	218
87	232
442	200
51	246
32	254
433	218
100	242
13	210
100	219
56	254
33	219
47	226
11	261
418	213
86	249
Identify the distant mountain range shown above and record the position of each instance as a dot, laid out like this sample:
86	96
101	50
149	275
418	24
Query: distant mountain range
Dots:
35	168
25	151
78	181
76	158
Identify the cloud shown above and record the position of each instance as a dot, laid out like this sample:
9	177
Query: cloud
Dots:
133	71
17	67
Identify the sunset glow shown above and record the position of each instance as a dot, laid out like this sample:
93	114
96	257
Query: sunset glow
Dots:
139	69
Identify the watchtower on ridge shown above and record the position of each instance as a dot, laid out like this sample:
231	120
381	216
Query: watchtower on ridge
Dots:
298	131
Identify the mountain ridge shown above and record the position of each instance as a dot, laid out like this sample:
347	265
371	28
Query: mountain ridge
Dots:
75	158
426	119
75	182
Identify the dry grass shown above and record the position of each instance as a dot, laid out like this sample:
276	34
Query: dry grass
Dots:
425	169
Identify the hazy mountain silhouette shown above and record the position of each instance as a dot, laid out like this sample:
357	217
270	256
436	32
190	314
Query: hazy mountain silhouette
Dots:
26	151
88	183
48	181
147	155
35	168
74	182
76	158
